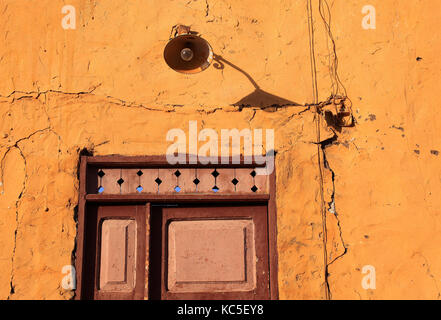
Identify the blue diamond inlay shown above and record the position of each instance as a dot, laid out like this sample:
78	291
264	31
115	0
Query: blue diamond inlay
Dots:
177	189
100	189
139	188
215	189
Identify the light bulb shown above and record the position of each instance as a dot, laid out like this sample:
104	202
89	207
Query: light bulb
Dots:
186	54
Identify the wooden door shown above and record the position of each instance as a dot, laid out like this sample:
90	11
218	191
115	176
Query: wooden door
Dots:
210	252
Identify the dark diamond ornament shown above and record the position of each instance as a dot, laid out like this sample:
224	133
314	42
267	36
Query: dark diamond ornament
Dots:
254	189
215	173
120	181
196	181
101	173
158	181
177	173
139	173
253	173
235	181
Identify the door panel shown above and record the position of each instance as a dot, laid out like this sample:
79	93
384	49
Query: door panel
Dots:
118	255
211	256
215	253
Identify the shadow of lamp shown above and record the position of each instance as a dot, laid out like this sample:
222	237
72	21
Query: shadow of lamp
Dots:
259	97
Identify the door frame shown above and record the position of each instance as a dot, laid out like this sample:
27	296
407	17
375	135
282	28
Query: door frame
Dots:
88	163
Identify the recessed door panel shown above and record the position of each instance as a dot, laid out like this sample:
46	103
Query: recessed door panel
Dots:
118	255
211	255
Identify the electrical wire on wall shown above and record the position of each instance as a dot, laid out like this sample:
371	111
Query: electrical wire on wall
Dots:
339	98
317	119
339	94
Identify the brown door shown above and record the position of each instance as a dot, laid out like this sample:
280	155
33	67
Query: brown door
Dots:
116	252
210	252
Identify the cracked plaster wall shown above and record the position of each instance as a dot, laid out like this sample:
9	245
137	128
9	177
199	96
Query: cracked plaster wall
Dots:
105	87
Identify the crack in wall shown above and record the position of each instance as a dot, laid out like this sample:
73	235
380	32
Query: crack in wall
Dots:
172	107
16	145
11	283
31	94
332	207
207	8
17	221
323	164
430	274
336	94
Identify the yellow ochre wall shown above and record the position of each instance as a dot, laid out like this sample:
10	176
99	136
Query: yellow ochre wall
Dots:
105	86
